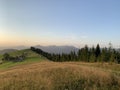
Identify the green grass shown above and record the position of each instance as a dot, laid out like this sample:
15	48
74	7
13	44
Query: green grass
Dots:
7	65
31	58
19	52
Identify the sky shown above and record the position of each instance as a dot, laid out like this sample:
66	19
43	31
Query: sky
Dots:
59	22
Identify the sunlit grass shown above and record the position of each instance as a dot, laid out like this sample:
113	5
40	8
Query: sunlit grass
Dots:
37	73
58	76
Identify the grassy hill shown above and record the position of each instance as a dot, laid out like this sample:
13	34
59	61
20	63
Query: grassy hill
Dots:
38	73
31	57
60	76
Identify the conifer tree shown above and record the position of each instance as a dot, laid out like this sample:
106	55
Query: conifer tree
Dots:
97	51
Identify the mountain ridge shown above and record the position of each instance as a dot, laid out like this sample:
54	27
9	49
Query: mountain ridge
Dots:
57	49
7	51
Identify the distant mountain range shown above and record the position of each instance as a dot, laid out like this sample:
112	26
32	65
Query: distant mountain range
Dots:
7	51
15	47
49	49
58	49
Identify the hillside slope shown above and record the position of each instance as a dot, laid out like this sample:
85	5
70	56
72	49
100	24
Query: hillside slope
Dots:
59	76
31	57
38	73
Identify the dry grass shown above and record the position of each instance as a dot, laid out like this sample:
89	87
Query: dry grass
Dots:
58	76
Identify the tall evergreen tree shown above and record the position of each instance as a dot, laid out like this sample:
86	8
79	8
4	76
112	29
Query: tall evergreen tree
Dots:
92	57
97	51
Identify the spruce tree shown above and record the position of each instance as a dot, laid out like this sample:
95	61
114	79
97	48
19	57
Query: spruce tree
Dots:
97	52
92	57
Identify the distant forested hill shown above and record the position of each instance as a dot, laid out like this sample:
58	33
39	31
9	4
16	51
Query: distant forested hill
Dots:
58	49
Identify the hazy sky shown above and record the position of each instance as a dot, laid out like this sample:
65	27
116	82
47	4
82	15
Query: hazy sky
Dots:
59	22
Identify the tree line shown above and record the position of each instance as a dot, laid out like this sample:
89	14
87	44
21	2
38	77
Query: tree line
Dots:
7	57
85	54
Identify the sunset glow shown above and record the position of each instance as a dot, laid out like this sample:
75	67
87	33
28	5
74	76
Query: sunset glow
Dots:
64	22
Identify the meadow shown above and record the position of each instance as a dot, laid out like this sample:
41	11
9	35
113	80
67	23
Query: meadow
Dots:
47	75
38	73
31	57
